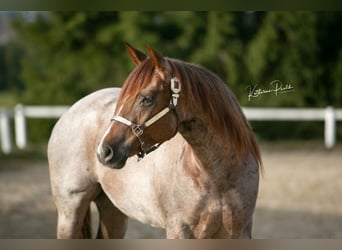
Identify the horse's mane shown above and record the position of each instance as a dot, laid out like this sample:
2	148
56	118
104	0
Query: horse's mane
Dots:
204	88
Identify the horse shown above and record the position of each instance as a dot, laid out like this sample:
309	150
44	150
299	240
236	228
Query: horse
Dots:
198	163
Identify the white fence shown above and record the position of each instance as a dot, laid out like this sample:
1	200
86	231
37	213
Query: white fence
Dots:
20	113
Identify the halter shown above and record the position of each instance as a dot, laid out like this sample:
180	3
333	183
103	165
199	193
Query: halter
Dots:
138	130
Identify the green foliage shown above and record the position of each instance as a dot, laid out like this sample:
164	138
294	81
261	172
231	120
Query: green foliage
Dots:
66	55
10	56
286	49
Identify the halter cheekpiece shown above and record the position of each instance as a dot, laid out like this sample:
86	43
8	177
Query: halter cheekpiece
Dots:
138	130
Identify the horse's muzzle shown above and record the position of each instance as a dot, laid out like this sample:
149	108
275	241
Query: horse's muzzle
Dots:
110	157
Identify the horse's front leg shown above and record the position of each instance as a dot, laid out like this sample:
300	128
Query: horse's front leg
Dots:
73	209
202	226
113	223
72	213
180	231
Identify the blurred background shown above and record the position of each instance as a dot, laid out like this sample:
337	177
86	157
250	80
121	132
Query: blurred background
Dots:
56	58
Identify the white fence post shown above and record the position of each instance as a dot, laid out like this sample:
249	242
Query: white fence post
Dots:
329	128
20	126
5	131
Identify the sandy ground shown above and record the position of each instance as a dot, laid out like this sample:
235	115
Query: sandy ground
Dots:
299	197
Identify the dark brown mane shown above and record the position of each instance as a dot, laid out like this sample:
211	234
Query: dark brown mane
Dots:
202	88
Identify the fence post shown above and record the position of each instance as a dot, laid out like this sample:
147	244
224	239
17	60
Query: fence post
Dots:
329	128
5	131
20	126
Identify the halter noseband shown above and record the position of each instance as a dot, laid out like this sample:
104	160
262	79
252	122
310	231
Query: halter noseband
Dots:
138	130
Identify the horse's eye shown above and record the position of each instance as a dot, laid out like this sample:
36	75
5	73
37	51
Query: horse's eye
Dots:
146	101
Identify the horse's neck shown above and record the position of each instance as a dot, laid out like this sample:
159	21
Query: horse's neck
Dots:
207	153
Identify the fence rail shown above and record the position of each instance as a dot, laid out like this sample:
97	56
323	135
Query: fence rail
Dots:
21	113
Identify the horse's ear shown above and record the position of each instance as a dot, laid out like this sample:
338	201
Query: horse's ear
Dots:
158	60
136	55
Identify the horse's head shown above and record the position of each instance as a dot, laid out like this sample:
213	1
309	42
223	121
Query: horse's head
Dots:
145	114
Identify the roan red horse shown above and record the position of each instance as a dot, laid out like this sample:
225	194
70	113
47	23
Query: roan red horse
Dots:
198	169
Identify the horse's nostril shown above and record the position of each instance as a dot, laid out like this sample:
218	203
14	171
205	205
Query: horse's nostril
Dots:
108	154
105	154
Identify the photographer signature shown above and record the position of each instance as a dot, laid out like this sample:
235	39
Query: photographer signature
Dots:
277	88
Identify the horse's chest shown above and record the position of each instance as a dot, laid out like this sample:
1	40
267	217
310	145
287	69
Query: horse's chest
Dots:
135	197
196	217
149	214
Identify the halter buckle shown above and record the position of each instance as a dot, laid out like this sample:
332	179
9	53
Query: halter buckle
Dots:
176	89
174	100
137	130
175	85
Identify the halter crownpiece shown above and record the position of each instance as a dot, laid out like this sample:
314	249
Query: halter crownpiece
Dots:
138	130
